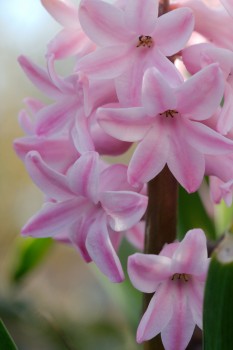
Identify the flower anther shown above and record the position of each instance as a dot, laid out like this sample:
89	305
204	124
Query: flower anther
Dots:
145	40
169	113
180	276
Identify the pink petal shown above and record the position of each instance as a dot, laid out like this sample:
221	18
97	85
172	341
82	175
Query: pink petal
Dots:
185	162
177	333
129	84
200	95
114	178
103	22
78	234
33	104
225	120
124	208
150	156
84	176
173	30
191	56
26	122
228	6
53	217
68	43
63	11
101	251
39	77
206	140
191	254
146	271
126	124
81	134
52	183
166	67
58	152
107	62
196	294
106	144
136	235
140	16
157	95
53	117
157	315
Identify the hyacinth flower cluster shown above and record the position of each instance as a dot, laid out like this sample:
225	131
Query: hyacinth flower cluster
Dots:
127	86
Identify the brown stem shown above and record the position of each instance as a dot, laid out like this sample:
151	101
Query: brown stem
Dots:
161	223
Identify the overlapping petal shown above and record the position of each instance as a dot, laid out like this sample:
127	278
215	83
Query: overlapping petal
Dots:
52	183
184	161
157	315
173	30
63	11
199	97
101	251
150	156
157	95
124	208
84	176
39	77
194	241
103	22
147	271
53	217
206	140
177	333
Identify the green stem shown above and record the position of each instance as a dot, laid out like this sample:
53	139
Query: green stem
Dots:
161	222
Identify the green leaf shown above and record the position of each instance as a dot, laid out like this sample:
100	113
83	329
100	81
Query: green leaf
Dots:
192	214
6	342
218	301
30	253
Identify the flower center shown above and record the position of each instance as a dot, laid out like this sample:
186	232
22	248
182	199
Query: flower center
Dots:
145	40
180	276
169	113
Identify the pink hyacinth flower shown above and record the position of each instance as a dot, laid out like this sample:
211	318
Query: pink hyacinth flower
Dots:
130	40
169	127
70	40
215	24
177	276
228	4
91	203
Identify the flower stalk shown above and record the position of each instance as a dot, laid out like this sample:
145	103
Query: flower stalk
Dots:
161	221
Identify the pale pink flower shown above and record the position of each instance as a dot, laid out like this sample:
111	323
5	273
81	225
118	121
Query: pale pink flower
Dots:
74	110
214	24
198	56
169	127
90	203
221	190
177	276
57	150
228	4
130	40
71	40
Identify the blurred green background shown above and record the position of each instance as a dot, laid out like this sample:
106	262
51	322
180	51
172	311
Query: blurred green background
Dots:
49	298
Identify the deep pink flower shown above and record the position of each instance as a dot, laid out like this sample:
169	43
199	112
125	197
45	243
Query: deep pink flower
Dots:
177	276
169	127
90	204
130	40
